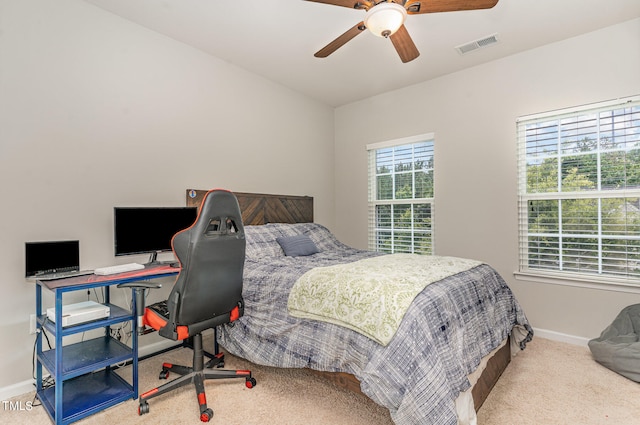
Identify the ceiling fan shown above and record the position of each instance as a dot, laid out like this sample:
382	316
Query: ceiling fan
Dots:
385	18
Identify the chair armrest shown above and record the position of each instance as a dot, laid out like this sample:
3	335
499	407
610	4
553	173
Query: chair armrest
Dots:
138	289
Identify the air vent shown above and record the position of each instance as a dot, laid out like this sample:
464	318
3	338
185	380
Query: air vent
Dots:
477	44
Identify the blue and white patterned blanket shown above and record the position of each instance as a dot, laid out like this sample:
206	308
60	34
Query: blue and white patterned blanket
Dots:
446	331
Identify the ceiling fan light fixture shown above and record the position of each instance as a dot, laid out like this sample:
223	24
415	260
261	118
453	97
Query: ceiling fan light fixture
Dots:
385	19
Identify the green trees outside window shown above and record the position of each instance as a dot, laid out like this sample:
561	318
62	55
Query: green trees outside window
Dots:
580	192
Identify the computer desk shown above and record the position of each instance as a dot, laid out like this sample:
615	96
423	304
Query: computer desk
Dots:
90	384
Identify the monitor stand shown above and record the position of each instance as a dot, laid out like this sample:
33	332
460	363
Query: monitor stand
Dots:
153	261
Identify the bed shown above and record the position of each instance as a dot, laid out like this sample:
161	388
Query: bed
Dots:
452	344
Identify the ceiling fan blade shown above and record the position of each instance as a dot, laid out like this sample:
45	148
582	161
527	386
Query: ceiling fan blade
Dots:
351	4
432	6
404	45
340	41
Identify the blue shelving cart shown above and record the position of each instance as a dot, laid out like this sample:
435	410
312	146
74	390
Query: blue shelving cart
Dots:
85	381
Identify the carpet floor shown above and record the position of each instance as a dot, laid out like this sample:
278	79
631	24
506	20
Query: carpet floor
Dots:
548	383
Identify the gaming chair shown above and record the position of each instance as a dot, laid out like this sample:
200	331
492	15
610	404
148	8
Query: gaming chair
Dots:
207	293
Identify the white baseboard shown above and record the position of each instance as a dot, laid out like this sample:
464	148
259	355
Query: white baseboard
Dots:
28	386
557	336
17	389
150	349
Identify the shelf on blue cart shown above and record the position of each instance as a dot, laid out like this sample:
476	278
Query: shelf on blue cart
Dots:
87	356
86	395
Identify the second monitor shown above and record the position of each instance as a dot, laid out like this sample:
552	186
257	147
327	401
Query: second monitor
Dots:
149	230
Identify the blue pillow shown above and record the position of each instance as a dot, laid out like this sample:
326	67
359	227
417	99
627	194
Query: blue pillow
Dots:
296	246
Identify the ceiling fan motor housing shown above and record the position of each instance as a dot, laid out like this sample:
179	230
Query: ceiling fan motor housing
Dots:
385	18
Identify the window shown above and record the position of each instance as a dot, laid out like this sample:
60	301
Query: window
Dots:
401	195
579	193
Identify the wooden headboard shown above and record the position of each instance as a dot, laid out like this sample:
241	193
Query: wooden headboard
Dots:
260	208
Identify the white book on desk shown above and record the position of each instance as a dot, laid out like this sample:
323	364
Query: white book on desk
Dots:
86	311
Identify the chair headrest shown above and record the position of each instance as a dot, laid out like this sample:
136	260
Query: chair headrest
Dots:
219	213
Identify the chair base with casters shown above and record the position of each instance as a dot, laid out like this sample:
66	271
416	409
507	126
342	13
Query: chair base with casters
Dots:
196	374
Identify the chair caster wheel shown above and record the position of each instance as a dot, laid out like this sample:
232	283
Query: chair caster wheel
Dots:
250	382
164	374
206	415
216	361
143	408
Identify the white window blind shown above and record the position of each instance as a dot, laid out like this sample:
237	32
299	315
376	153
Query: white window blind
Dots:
579	192
401	195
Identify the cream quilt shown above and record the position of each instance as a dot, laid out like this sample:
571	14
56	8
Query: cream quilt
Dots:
370	296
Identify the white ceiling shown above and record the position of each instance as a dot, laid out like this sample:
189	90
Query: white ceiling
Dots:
277	38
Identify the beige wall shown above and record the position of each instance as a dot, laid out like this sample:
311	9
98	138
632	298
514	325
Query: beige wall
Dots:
473	114
97	112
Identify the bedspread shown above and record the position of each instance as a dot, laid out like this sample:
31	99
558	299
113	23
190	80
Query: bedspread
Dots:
445	332
364	296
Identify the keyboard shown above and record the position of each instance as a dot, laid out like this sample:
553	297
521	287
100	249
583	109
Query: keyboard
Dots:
119	268
61	275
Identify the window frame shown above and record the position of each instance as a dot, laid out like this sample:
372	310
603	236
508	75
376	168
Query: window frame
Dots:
597	280
373	230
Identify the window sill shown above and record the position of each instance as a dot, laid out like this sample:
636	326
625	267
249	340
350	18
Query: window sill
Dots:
581	281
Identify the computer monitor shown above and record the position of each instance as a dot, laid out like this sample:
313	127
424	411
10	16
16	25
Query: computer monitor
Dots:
149	230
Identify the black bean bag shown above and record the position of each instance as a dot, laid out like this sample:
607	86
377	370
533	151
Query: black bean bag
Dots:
618	347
